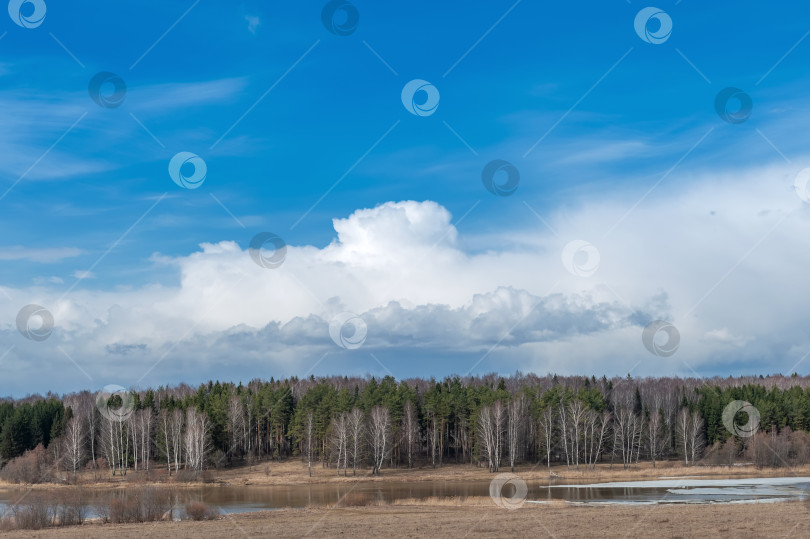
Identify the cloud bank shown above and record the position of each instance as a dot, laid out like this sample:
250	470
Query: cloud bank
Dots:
725	261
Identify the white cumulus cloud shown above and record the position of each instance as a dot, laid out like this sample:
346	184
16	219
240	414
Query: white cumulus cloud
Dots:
724	261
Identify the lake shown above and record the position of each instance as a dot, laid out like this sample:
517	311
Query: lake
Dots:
233	499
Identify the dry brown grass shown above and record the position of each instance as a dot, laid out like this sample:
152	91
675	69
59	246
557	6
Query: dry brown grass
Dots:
292	472
357	499
452	501
201	511
787	519
461	501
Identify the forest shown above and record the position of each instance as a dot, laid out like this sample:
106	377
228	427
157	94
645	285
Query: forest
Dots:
352	424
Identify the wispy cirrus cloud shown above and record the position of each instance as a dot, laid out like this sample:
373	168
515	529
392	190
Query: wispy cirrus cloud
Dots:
50	151
253	23
48	255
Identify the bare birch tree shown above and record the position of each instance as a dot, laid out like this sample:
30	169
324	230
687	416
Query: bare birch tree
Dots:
682	430
308	440
564	432
139	427
547	433
499	426
355	428
176	437
115	444
575	416
655	435
486	435
379	432
410	430
696	441
196	438
162	440
74	441
515	427
491	428
236	426
432	436
628	430
340	437
604	426
589	421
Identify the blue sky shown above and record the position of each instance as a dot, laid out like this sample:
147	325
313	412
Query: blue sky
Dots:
281	110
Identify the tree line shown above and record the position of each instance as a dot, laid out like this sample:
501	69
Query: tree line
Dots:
366	423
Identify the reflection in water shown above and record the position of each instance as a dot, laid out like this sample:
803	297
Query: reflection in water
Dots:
239	499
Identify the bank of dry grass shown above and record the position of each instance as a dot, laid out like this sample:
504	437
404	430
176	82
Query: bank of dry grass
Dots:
292	472
786	519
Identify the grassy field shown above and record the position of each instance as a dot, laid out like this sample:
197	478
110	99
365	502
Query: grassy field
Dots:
786	519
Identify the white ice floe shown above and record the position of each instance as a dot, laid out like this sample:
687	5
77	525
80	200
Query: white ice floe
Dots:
690	490
679	483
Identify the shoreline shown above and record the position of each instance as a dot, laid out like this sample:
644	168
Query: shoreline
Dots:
293	473
364	516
